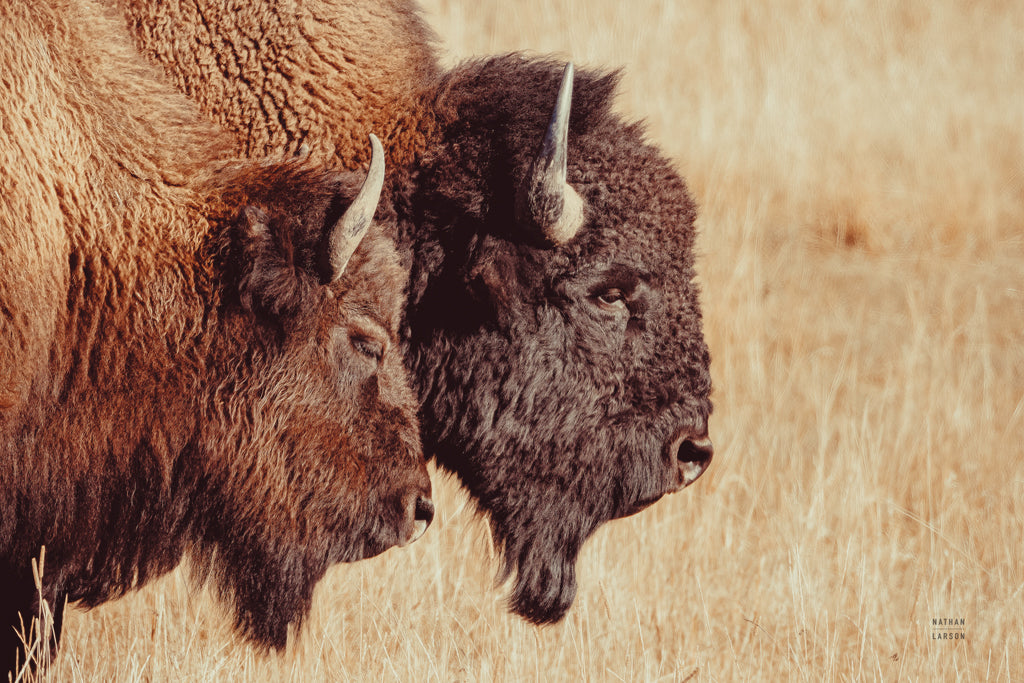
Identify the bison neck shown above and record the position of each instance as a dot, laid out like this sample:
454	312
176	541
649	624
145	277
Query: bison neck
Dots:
105	435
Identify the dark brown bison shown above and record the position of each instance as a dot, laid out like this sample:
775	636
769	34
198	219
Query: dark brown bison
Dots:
553	323
199	355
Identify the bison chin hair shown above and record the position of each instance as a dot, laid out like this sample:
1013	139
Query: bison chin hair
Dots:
543	560
545	587
269	579
269	588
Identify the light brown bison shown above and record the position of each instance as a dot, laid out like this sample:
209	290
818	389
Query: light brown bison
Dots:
198	355
553	323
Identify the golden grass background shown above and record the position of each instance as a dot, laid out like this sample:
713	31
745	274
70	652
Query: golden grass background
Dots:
860	172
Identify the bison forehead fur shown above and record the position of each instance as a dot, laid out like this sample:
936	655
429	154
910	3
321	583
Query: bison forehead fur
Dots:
557	381
177	372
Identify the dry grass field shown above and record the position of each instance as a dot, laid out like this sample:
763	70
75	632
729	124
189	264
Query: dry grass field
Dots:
860	172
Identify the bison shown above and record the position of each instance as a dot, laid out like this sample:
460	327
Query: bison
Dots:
199	355
553	324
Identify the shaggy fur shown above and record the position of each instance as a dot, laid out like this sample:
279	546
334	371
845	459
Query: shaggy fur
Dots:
177	373
556	381
316	75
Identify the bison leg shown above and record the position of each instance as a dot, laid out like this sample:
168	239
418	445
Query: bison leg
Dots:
16	608
19	605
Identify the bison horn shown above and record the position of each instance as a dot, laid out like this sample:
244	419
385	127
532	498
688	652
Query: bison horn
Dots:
550	202
350	229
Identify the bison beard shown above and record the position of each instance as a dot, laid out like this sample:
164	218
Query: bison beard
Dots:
268	566
270	583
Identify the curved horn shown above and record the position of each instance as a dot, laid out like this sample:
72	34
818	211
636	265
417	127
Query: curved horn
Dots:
552	204
350	229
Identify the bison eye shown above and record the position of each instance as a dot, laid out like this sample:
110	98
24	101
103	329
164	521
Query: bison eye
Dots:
611	300
371	348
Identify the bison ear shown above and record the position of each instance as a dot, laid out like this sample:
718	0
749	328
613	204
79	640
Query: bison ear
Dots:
492	281
271	282
495	283
546	200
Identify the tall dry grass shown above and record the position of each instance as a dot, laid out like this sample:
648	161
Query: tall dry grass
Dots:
860	171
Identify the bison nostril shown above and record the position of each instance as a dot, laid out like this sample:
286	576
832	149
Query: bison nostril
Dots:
424	510
419	512
693	456
695	450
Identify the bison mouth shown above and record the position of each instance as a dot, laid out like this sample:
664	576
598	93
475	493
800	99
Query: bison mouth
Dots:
643	504
688	456
400	523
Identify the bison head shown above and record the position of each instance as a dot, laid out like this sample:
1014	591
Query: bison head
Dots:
554	324
313	454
